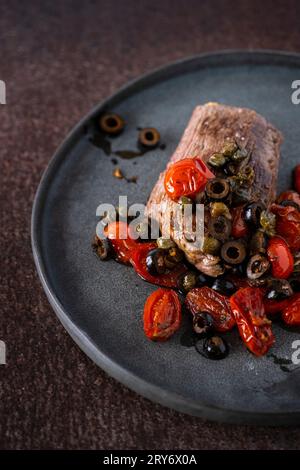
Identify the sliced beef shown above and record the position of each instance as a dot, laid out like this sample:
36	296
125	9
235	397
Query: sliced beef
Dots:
210	126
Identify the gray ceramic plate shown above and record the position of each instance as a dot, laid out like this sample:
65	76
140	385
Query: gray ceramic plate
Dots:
100	304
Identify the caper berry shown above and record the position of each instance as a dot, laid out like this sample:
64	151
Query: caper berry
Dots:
203	323
268	222
229	149
149	137
257	266
165	243
155	262
111	123
224	286
233	252
279	289
215	348
219	228
103	248
187	281
210	246
217	189
217	160
219	208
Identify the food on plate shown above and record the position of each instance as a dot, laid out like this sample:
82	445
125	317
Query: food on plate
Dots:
246	271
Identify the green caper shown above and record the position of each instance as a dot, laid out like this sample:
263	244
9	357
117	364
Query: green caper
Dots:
239	155
187	281
165	243
245	177
229	149
217	160
268	222
185	201
210	245
219	208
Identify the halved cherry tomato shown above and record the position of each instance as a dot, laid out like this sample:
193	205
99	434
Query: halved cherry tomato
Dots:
297	178
281	258
123	247
162	314
138	261
205	299
239	227
186	177
291	313
254	327
288	224
291	196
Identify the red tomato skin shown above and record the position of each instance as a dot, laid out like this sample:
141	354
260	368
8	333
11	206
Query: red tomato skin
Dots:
208	300
138	261
254	327
291	313
162	314
289	196
275	306
186	177
239	226
297	178
281	258
288	224
123	247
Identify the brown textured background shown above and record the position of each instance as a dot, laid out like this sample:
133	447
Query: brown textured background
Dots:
59	59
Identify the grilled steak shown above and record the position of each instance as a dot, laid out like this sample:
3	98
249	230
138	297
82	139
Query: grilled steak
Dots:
210	126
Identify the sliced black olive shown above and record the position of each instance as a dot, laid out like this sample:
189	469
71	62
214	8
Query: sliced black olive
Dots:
258	243
203	323
252	213
233	252
279	289
295	284
103	248
217	189
215	348
224	287
219	227
155	261
290	203
111	123
258	265
187	281
149	137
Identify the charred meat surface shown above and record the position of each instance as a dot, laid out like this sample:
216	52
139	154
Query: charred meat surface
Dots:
210	128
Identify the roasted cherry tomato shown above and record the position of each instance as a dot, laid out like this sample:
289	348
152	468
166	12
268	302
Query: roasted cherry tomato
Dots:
297	178
290	196
186	177
205	299
120	235
254	327
275	306
281	258
162	314
291	313
138	260
288	224
239	226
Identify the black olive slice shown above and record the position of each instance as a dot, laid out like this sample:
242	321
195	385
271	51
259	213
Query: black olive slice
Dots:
233	252
258	265
111	123
217	189
149	137
219	228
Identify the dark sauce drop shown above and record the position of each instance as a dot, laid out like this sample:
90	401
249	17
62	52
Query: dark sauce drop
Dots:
100	140
281	361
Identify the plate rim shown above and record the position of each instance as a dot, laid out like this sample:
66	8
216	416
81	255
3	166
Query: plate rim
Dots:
121	374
